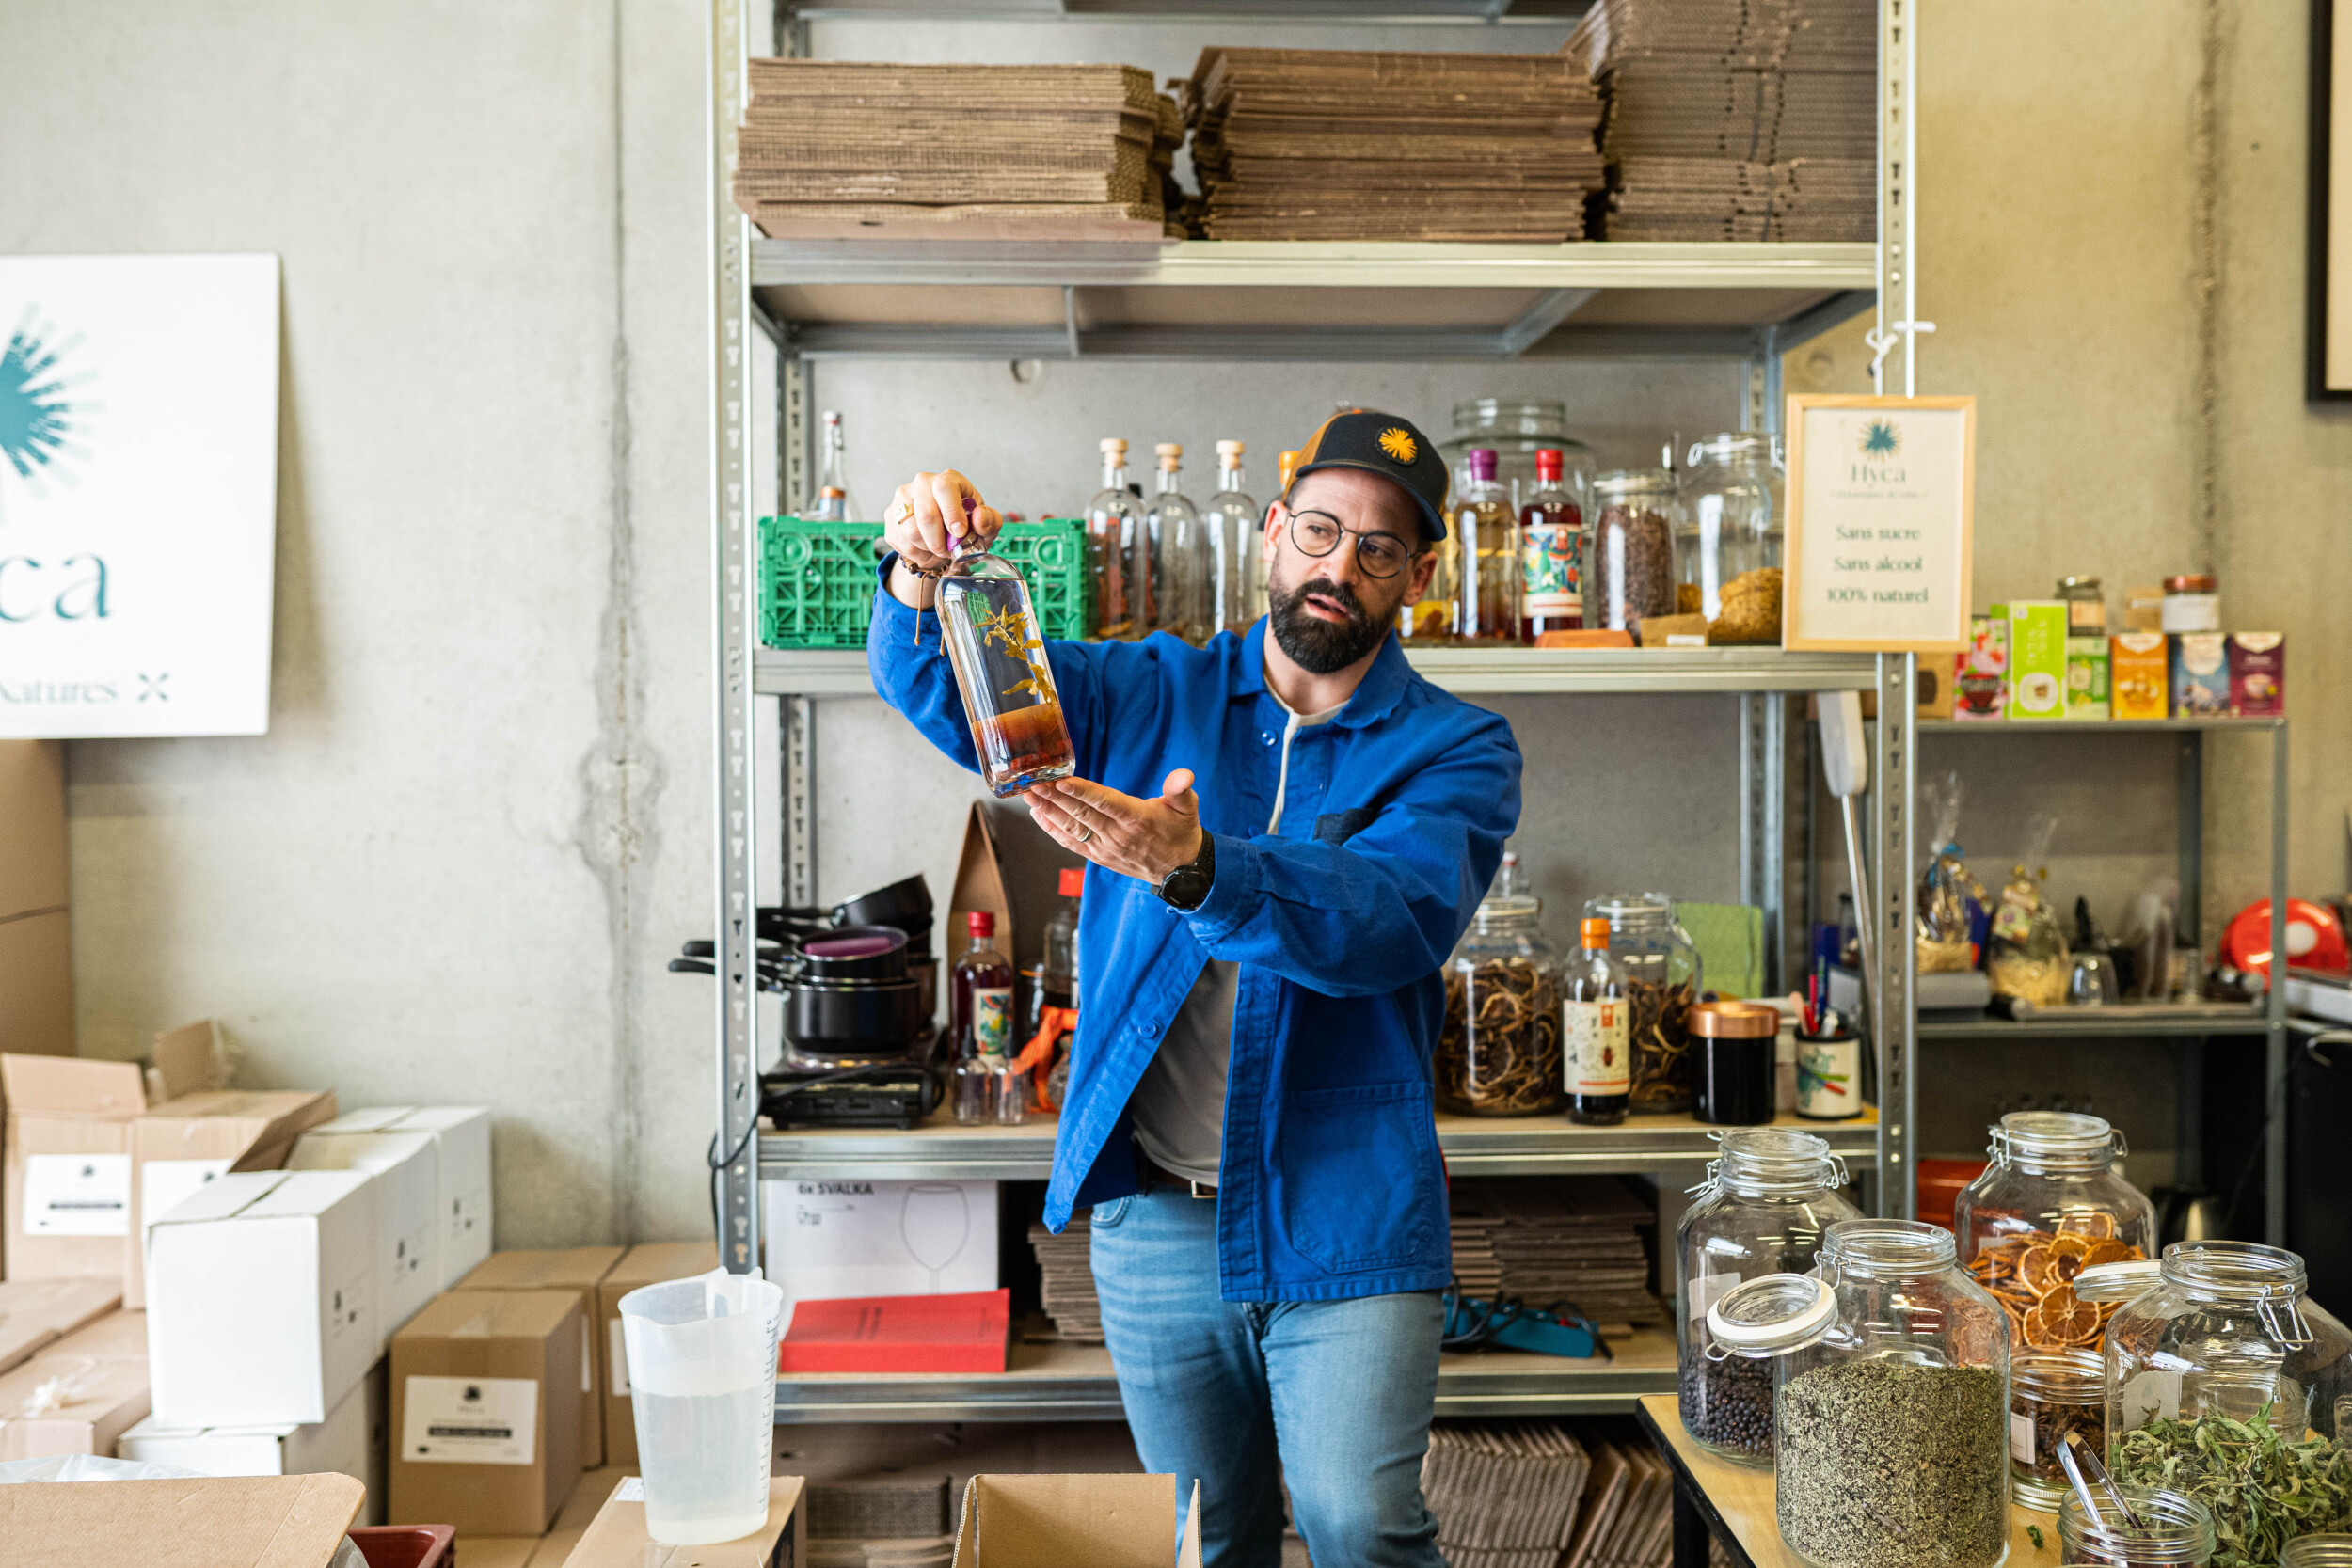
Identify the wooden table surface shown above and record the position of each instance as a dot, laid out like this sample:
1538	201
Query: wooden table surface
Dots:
1739	1500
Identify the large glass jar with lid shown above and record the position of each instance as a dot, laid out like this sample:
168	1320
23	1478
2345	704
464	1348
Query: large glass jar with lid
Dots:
1890	1403
1515	430
2050	1205
1629	549
2226	1380
1768	1199
1734	510
1662	978
1497	1052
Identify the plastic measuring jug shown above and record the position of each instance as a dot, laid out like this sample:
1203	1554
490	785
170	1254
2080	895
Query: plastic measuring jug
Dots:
702	1372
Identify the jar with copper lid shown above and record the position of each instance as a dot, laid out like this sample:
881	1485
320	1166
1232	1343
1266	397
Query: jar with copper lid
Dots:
1733	1043
2192	602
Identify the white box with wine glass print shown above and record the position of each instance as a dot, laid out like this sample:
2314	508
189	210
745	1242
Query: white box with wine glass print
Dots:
830	1240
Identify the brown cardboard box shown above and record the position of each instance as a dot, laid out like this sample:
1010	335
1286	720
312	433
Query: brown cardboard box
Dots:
499	1551
180	1144
979	885
113	1334
1041	1521
36	926
649	1264
485	1411
68	1152
34	1313
580	1269
571	1526
618	1538
208	1521
78	1404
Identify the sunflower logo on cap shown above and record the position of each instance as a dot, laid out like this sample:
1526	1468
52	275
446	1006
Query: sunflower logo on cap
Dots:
1397	443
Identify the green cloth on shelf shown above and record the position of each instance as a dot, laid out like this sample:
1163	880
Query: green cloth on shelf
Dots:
1730	940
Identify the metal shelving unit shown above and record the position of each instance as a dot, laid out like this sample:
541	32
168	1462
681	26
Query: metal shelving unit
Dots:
1747	304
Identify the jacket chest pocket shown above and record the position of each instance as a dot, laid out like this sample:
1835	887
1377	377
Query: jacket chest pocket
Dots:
1359	1177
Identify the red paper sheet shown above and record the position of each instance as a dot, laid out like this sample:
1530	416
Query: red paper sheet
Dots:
964	1333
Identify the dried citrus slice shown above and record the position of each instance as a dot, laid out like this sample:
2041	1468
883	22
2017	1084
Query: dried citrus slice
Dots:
2110	1252
2062	1318
2071	1245
2097	1223
2035	1270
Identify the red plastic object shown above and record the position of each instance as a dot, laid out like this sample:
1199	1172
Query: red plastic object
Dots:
961	1333
405	1545
1940	1181
2315	939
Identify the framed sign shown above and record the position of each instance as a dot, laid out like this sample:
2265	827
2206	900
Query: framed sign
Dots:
2328	282
138	494
1881	492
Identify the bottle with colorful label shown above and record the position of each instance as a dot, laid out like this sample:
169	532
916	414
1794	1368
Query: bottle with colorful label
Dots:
1595	1040
1552	554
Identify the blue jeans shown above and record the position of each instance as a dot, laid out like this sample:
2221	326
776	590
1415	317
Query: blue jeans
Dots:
1331	1396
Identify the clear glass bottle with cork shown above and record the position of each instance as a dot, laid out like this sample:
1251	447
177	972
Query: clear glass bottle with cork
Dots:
1181	561
1236	535
998	653
830	501
1491	577
1114	526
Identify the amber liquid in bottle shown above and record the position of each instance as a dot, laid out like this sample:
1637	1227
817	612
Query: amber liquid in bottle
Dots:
1028	742
1486	536
1595	1039
1551	530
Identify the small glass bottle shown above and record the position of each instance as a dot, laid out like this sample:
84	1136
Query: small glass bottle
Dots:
1237	535
1595	1019
1552	559
973	1092
1001	670
1182	571
1057	965
1629	551
1114	523
1487	607
830	501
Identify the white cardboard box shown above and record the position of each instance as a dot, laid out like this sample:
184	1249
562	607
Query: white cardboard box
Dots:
261	1306
344	1443
828	1240
407	1171
462	1134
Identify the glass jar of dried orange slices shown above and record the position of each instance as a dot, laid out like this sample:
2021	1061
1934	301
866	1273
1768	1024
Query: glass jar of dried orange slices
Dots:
2050	1205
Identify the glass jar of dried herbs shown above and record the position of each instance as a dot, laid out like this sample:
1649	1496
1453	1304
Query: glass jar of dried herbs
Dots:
2225	1380
2166	1530
2051	1393
1763	1210
1499	1051
1890	1406
1662	978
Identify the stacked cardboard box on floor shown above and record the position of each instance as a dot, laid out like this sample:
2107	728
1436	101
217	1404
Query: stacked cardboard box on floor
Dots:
36	924
648	1264
832	150
1575	1239
1736	119
80	1387
579	1272
1548	1494
1311	144
486	1411
67	1186
461	1173
182	1144
1067	1288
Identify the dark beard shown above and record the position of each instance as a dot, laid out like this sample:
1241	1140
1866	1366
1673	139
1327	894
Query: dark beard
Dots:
1320	647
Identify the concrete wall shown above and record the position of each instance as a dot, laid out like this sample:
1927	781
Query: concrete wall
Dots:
480	823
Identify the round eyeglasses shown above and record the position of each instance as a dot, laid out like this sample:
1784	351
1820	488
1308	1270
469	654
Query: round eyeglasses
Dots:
1380	555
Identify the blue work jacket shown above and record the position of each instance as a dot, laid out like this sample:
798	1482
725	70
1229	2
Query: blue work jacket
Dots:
1394	820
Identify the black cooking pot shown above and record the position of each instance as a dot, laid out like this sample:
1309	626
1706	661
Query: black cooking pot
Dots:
856	1018
852	952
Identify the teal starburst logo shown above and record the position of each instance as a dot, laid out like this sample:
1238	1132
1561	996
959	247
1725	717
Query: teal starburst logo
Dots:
1880	439
43	418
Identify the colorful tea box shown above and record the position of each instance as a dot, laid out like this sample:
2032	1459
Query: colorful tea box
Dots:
2139	675
2037	658
1980	674
2087	668
2257	675
2201	674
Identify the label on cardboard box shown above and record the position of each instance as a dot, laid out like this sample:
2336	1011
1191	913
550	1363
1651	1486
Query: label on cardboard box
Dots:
618	1358
77	1194
164	1182
469	1421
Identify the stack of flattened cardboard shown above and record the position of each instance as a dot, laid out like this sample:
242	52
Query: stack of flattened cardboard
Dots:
1736	119
1311	144
1627	1517
833	150
1068	1290
1573	1239
1505	1494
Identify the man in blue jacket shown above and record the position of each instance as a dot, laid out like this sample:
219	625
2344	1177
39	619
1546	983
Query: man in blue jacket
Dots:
1289	831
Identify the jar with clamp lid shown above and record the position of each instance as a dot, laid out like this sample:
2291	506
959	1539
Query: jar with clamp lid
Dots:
1629	549
1734	518
1890	1400
1498	1053
1768	1199
2050	1205
2226	1380
1662	976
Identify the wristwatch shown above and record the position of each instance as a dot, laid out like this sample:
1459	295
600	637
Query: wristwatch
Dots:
1185	887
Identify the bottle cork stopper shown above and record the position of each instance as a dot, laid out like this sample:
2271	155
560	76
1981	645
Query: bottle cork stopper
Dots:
1169	453
1229	448
1112	444
1595	931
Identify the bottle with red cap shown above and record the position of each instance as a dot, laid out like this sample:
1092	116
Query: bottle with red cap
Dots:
1552	545
979	1019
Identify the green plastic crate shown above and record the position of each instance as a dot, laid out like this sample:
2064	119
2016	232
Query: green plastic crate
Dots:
817	578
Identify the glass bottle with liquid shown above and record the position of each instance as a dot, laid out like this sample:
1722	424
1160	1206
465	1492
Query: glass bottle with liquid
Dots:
830	500
1114	524
1182	571
1236	534
1552	558
979	1019
1596	1036
1486	532
1007	687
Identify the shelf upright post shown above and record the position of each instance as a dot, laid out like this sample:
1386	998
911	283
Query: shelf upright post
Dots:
734	826
1898	194
1764	820
1893	1025
2274	1008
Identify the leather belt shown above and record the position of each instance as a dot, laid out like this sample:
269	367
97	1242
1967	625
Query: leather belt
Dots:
1153	1176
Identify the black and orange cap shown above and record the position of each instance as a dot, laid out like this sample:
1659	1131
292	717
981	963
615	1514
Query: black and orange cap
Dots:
1381	444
